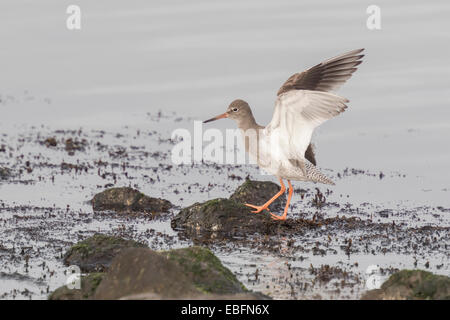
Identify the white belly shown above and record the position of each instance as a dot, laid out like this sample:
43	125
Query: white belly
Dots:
271	156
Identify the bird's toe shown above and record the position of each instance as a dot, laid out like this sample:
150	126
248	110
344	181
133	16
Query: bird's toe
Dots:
258	208
275	217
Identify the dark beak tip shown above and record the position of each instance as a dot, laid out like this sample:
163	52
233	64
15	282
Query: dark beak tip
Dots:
225	115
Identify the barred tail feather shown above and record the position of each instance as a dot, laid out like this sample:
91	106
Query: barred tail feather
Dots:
313	174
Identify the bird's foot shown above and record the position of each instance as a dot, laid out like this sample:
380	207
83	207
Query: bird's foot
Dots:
275	217
258	208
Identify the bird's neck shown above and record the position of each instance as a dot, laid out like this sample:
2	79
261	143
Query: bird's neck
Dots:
248	123
251	133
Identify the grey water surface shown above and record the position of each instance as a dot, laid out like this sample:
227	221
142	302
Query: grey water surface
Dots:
186	61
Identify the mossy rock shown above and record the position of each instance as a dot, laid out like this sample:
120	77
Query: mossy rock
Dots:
188	273
139	270
142	273
89	284
230	216
221	216
123	200
258	193
97	252
208	273
412	285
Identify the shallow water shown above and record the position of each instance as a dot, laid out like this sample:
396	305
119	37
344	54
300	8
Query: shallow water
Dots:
133	59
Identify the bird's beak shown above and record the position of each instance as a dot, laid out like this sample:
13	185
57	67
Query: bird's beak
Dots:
223	115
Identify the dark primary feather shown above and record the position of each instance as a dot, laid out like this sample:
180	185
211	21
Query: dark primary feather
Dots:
326	76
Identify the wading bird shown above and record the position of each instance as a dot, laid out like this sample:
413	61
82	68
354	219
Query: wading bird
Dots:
283	148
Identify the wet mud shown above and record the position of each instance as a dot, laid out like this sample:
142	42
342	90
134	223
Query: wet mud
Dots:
48	178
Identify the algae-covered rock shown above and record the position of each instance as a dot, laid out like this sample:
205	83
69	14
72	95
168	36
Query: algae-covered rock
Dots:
139	270
141	273
221	215
206	270
257	193
188	273
97	252
231	216
89	284
128	200
412	285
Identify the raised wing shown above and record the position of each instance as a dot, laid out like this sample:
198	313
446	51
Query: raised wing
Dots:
326	76
297	114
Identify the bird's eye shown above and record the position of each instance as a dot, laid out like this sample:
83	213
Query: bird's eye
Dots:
235	109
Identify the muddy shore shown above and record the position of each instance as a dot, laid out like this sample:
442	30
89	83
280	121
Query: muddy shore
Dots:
49	178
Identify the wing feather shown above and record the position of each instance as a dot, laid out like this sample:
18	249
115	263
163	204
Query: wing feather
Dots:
326	76
304	102
297	114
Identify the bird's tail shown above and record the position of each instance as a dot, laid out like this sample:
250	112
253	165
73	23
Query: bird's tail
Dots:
315	175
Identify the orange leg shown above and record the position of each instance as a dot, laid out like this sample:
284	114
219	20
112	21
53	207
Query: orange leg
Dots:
267	204
283	217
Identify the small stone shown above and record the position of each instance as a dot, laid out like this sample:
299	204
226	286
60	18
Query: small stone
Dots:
5	173
50	142
127	199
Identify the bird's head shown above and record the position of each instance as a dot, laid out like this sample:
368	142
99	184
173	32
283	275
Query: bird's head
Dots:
237	110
